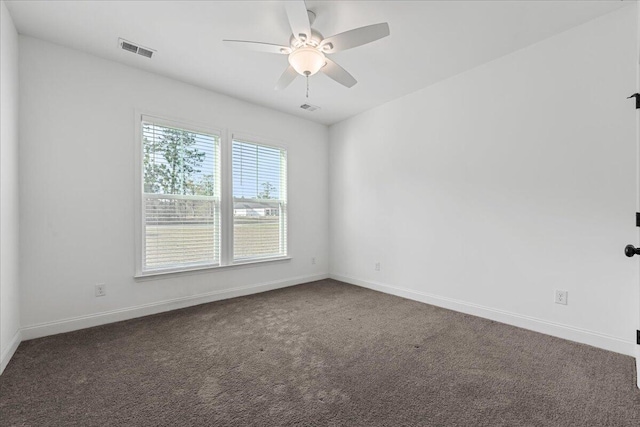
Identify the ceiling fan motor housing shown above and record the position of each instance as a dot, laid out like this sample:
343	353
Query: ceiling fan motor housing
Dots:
300	41
308	49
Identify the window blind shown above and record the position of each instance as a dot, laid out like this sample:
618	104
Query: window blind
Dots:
259	201
180	196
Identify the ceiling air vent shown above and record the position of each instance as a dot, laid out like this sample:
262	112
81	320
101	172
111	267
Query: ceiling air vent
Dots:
130	47
309	107
134	48
145	52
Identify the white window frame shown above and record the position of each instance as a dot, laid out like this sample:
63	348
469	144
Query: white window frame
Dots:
226	195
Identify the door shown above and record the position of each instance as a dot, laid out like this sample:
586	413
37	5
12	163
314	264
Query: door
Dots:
638	176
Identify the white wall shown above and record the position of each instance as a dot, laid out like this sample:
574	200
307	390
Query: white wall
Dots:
77	190
488	191
9	219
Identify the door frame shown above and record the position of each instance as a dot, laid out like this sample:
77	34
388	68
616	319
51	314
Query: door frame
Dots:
638	176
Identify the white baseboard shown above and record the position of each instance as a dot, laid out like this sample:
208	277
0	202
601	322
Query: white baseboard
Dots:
82	322
8	352
571	333
562	331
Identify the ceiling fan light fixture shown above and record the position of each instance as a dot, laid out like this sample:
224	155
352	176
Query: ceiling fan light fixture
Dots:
308	50
307	60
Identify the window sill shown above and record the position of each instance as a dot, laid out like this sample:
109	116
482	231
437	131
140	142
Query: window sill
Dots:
206	269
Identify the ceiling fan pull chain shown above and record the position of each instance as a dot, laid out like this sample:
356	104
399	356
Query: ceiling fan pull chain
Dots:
307	49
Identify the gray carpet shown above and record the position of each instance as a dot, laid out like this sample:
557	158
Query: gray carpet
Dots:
323	353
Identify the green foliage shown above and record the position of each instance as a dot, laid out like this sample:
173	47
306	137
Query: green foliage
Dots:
267	189
206	186
182	161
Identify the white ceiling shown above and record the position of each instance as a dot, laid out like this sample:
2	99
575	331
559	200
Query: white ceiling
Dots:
429	41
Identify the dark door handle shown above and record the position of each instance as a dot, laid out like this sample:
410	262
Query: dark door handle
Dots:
631	250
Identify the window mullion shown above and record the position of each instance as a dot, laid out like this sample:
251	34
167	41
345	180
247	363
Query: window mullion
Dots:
226	197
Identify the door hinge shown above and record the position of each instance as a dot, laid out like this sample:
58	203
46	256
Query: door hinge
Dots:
638	337
637	97
637	219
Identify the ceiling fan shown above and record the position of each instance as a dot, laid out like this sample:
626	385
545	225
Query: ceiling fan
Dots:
308	49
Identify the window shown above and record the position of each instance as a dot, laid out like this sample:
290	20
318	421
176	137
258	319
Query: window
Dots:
259	201
181	197
191	216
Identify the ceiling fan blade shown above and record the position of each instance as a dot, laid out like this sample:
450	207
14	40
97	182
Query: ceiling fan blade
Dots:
338	73
354	38
258	46
286	78
298	18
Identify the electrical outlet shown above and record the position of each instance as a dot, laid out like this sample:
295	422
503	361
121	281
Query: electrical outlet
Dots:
101	290
313	260
377	266
561	297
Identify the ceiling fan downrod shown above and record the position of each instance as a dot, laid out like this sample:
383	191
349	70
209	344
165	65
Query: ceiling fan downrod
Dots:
308	49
